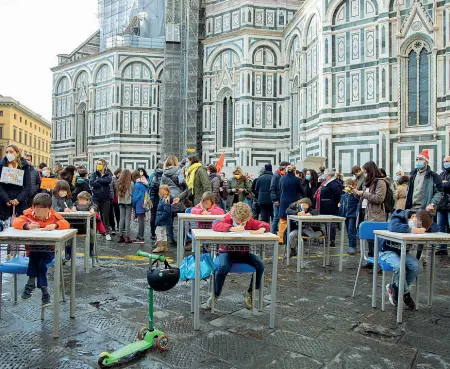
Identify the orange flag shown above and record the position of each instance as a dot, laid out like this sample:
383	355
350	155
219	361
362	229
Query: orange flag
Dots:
220	163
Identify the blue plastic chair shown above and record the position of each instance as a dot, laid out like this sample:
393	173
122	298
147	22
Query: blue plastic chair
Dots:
237	268
19	265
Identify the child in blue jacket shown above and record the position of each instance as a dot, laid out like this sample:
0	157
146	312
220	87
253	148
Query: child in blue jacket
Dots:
349	209
405	221
163	219
137	200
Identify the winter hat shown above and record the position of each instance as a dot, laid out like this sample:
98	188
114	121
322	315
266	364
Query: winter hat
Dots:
423	155
268	167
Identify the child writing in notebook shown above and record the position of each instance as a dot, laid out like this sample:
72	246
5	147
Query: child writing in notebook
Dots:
40	216
239	219
207	206
62	197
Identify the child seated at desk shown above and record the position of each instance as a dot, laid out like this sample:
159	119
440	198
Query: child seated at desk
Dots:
207	206
405	221
39	216
238	219
302	207
83	203
62	197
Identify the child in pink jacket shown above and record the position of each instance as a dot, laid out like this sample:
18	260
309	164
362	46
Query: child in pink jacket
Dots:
207	206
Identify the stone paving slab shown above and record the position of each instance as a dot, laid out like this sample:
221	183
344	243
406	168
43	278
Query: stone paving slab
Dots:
318	323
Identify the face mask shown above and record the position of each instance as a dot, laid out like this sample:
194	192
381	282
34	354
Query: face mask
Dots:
187	166
411	224
62	193
323	177
99	167
237	176
354	177
446	165
44	173
10	157
308	177
234	224
420	164
396	178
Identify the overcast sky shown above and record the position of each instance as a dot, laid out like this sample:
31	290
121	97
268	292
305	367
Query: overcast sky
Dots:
32	33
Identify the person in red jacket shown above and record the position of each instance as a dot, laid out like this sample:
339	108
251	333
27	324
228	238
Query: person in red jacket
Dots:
39	216
239	219
207	206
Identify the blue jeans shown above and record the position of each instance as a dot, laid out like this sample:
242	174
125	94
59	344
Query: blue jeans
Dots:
412	267
443	221
227	260
276	219
350	226
37	266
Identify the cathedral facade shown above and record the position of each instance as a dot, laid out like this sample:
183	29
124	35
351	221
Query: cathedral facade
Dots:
349	80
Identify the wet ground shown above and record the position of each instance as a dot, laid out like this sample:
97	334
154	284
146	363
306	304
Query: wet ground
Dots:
318	325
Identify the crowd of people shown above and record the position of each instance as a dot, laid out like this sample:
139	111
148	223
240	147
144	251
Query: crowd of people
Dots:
121	196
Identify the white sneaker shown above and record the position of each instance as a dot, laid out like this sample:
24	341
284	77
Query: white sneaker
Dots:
108	237
210	302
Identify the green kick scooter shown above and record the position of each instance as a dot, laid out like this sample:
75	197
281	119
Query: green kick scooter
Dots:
159	280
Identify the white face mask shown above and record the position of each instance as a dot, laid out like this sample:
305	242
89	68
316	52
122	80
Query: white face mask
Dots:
411	224
10	157
44	173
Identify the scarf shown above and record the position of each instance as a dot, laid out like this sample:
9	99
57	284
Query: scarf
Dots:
317	194
191	175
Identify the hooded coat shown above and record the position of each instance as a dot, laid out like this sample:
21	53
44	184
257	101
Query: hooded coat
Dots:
263	188
10	192
291	190
173	177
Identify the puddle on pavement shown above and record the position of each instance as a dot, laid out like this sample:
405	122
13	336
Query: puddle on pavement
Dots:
98	304
73	344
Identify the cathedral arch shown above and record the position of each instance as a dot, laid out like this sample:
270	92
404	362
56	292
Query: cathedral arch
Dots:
311	28
213	56
77	75
264	56
62	84
269	45
102	66
129	61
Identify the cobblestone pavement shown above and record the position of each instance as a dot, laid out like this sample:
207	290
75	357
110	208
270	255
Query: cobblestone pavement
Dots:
318	325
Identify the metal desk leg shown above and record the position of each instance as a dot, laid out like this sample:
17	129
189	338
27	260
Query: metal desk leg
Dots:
401	284
288	248
57	288
375	272
261	287
300	247
73	269
196	246
342	245
180	243
87	242
328	243
273	294
431	282
94	225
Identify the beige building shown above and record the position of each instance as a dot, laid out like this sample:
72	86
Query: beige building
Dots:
22	127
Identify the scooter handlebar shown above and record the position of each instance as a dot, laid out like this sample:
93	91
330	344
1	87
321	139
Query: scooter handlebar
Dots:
151	256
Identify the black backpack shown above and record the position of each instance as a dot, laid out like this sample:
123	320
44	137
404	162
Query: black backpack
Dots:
154	186
389	200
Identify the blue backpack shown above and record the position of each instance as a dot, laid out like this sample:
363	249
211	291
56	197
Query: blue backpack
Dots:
187	269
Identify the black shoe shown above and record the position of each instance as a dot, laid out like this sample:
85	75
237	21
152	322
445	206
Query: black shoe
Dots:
293	252
332	244
46	300
153	237
367	266
442	252
173	243
28	291
409	302
113	232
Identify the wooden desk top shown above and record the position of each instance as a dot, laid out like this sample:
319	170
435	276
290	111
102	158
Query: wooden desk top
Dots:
317	218
412	237
11	234
192	217
208	234
77	214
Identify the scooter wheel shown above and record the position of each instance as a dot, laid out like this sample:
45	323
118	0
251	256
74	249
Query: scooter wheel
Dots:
103	355
142	332
162	342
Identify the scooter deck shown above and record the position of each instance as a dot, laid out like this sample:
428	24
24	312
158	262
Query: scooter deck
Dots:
127	351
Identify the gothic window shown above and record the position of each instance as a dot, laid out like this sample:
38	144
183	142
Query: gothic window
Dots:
312	69
294	113
248	114
326	90
249	16
264	56
383	84
63	85
281	19
280	81
227	122
383	39
280	116
81	130
326	51
248	83
103	74
418	69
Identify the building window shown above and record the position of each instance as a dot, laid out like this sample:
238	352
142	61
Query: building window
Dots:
31	125
25	138
280	80
1	131
227	122
383	83
20	119
15	116
383	40
326	90
418	86
1	113
280	116
15	134
326	51
249	16
20	136
248	83
35	142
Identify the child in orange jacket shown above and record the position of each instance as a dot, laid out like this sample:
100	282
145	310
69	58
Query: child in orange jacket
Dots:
39	216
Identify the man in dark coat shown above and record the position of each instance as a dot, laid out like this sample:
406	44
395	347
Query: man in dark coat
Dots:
275	194
35	179
443	214
263	193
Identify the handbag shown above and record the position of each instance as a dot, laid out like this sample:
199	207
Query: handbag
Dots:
187	269
178	208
